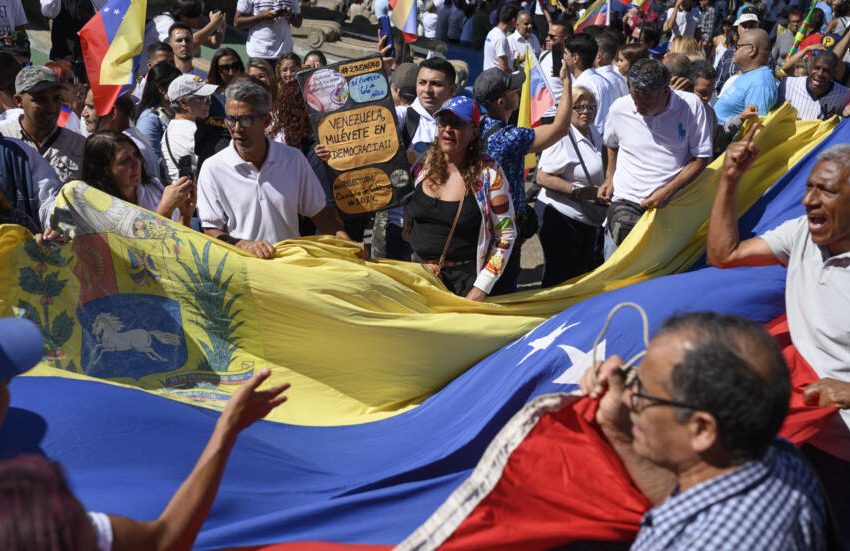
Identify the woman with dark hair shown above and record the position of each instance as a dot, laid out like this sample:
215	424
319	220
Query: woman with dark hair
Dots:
291	126
225	65
153	112
315	58
288	66
460	220
112	163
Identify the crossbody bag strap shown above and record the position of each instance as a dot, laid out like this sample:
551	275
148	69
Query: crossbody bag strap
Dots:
451	232
580	159
168	147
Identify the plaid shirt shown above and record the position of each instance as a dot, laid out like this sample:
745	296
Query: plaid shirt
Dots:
707	21
774	503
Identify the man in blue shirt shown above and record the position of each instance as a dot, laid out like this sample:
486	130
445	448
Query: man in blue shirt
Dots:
508	144
756	85
696	430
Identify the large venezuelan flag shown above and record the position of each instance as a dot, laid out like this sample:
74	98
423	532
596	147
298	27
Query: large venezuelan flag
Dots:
367	346
112	41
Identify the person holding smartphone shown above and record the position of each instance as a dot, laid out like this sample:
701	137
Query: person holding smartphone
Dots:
268	23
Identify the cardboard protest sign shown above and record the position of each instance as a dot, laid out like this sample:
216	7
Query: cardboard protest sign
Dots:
352	114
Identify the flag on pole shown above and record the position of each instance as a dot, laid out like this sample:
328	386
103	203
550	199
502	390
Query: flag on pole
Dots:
536	98
404	18
597	14
112	41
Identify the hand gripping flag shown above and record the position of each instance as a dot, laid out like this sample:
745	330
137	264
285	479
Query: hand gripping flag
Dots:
405	19
112	41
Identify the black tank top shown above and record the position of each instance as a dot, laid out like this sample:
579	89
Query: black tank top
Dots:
432	219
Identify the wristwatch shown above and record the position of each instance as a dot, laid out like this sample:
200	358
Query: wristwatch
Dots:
575	193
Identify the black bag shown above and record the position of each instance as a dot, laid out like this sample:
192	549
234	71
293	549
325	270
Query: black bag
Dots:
622	217
528	223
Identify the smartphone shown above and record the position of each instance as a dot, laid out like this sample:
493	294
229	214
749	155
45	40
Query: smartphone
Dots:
385	28
557	59
184	166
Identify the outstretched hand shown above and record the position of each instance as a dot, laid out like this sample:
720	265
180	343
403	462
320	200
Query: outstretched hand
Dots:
248	405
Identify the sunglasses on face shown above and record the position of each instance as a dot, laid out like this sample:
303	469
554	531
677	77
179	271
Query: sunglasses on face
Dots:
229	67
588	107
245	121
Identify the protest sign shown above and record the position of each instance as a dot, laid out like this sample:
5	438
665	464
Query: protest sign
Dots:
352	114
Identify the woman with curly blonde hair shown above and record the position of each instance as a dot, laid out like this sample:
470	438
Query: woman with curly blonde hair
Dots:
460	220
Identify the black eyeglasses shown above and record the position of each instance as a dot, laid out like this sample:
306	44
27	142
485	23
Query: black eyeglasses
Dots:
589	107
638	400
245	121
230	66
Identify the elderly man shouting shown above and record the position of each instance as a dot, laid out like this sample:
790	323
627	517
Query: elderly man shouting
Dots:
816	250
696	430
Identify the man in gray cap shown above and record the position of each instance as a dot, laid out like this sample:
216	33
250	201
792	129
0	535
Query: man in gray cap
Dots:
499	92
38	93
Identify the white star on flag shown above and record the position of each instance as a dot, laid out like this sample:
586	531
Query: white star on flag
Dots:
545	342
579	362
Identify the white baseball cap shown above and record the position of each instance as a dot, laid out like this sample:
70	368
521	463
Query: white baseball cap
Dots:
189	85
746	17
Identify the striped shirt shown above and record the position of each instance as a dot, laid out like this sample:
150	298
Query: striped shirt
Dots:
774	503
809	107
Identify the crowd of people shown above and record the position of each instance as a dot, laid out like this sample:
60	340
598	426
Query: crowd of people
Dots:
641	106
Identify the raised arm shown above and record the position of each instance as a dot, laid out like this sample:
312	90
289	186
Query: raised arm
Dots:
179	524
724	248
549	134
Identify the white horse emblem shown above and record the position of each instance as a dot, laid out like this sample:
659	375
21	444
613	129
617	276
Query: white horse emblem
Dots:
107	329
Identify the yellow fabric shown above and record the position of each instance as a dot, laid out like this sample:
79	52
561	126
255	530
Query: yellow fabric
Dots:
524	116
359	340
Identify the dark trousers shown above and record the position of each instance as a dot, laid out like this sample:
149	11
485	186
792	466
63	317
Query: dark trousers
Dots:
835	476
570	247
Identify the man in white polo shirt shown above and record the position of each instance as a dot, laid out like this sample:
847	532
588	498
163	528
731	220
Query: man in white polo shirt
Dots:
497	48
269	26
251	193
657	140
816	250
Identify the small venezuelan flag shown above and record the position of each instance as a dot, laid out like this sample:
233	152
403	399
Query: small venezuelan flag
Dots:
597	14
536	98
404	18
112	41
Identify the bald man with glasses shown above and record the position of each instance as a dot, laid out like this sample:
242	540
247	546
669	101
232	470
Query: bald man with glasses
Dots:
695	426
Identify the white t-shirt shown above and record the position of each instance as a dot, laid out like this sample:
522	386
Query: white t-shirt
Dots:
561	159
246	203
686	22
10	115
496	45
12	16
615	78
180	137
429	25
817	302
269	39
519	44
652	150
603	90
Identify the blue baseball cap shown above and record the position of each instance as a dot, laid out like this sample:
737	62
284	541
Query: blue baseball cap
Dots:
463	108
661	49
21	347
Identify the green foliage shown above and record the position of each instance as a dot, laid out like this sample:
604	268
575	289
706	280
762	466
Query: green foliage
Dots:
45	254
34	283
63	327
215	310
